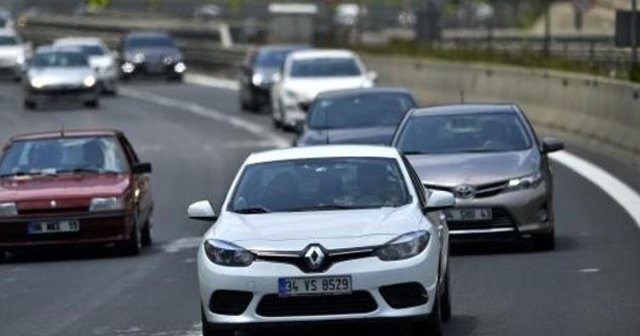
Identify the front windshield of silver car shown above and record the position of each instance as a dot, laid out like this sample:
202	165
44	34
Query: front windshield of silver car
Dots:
320	185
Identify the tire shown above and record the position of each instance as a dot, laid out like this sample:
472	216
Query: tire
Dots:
210	330
545	241
146	238
92	103
432	325
445	302
133	246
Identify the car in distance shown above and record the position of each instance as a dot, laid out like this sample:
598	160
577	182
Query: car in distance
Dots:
74	187
151	54
357	116
307	73
490	157
6	21
101	59
14	54
259	72
60	73
326	233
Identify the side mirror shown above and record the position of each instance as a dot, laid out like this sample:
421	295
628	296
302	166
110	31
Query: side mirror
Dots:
141	168
203	211
550	145
373	76
440	200
304	105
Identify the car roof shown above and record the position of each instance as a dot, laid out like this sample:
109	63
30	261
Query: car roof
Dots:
50	48
65	133
453	109
77	40
322	53
137	34
316	152
283	47
361	91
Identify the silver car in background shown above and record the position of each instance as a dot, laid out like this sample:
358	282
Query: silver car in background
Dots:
102	60
14	54
57	73
492	160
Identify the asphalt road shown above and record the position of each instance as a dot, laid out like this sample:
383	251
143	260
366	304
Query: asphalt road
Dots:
196	139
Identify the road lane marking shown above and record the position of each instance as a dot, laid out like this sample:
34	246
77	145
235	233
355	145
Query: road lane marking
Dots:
589	270
259	130
624	195
219	83
185	243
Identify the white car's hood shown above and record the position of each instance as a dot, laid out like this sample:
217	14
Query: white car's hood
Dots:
332	229
61	75
101	61
11	52
309	88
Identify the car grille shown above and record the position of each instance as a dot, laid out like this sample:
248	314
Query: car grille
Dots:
225	302
482	191
501	219
404	295
358	302
54	211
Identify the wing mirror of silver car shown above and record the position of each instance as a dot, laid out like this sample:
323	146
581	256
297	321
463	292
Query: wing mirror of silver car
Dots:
203	211
550	145
373	76
440	200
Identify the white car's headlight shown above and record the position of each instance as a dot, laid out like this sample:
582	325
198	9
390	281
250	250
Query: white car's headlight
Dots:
8	209
227	254
404	247
21	59
89	81
257	79
38	82
106	204
525	182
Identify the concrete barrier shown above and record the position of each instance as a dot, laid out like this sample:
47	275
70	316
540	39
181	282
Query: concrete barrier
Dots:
593	109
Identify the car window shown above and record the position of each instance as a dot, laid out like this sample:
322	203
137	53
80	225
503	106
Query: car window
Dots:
60	59
52	156
459	133
6	40
93	50
325	67
271	58
320	184
366	110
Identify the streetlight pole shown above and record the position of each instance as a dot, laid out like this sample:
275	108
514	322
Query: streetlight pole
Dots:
634	30
547	28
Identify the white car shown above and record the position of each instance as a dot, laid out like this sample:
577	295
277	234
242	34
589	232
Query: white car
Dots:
14	54
325	234
102	60
307	73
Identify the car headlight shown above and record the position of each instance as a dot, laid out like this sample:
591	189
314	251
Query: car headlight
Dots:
404	247
257	79
8	209
138	58
525	182
89	81
227	254
180	67
38	82
106	204
21	60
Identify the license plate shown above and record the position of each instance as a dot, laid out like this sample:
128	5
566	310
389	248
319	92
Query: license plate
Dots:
334	285
54	227
471	214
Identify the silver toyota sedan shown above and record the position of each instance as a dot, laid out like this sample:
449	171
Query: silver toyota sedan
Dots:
490	157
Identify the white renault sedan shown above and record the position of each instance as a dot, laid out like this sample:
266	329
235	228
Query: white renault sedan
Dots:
325	234
307	73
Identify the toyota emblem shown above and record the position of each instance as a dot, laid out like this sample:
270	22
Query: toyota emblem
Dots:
314	257
464	191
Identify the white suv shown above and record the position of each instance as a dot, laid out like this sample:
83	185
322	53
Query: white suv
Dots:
325	234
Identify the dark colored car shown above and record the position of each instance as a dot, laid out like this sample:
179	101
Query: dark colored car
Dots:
490	158
74	187
259	73
359	116
151	54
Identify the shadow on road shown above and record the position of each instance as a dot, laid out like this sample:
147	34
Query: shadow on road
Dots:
66	253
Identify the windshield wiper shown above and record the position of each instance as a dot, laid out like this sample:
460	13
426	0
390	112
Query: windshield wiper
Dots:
255	210
23	173
324	207
414	153
87	170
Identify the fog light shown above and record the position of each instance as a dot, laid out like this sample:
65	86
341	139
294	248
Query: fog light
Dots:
180	67
128	68
543	215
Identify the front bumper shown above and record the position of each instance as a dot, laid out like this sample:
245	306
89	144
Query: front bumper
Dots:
12	71
108	227
368	276
55	92
172	70
516	214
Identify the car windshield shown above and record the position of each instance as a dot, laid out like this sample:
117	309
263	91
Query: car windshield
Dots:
358	111
443	134
325	67
271	58
320	185
60	59
60	155
93	50
6	40
3	22
149	41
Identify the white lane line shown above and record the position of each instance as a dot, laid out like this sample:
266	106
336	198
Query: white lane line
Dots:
628	198
259	130
219	83
185	243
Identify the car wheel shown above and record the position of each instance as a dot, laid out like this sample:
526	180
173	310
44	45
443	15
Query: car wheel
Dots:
133	246
445	302
146	238
92	103
210	330
432	324
545	241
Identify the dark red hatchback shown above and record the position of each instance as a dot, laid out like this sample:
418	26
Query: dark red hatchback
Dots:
74	187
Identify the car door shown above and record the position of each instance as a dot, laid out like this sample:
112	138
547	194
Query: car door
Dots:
141	183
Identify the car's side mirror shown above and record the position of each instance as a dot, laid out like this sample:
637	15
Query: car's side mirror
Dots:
440	200
203	211
550	145
141	168
373	76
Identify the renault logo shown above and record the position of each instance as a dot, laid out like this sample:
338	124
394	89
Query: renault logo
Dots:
314	257
464	191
